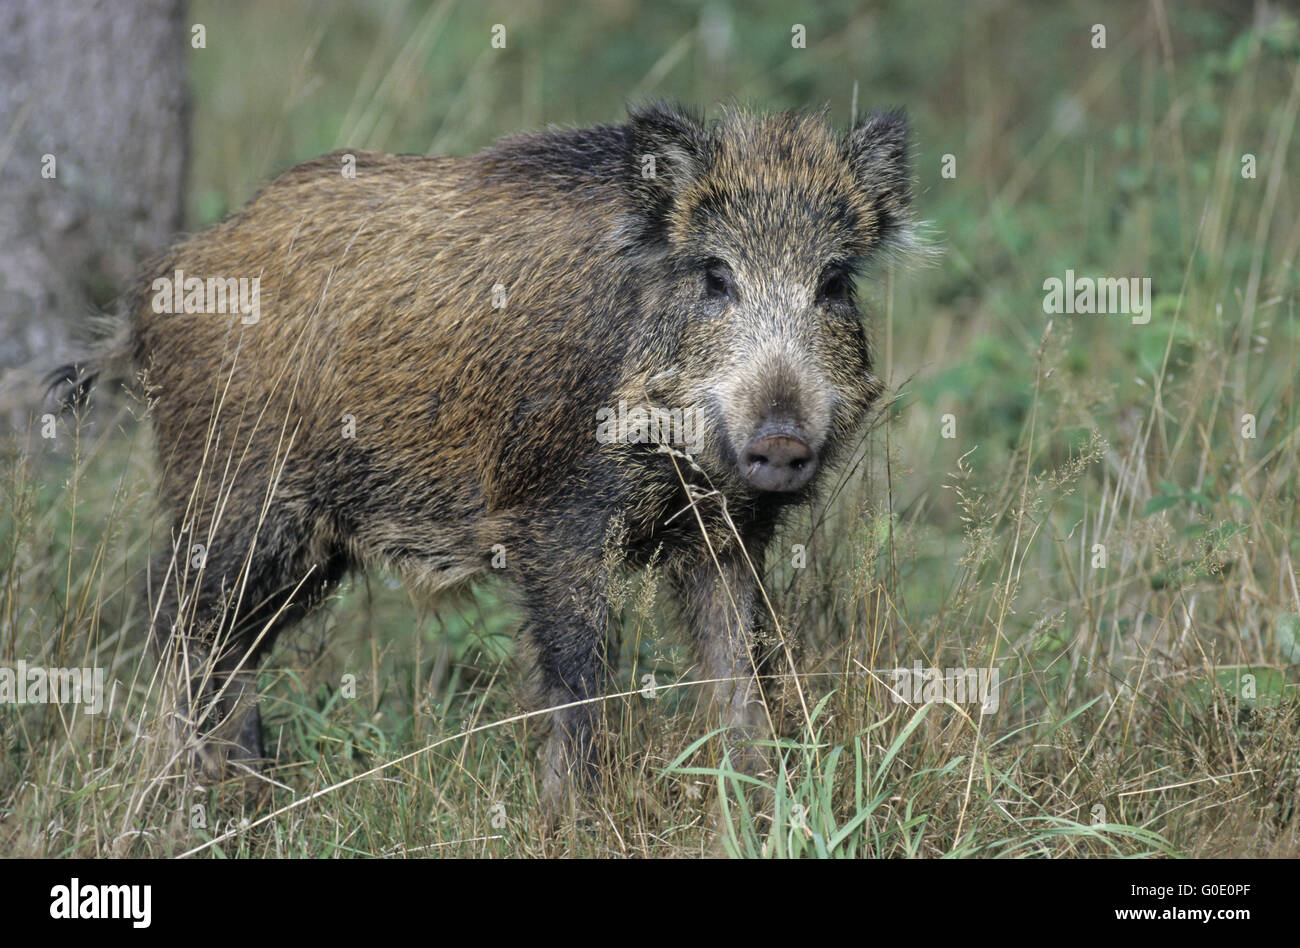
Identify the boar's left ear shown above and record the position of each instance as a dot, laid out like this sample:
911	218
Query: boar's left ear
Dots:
877	149
670	147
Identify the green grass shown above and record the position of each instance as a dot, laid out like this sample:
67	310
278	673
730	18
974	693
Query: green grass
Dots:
1147	708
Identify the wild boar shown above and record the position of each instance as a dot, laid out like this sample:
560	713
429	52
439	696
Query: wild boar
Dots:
641	334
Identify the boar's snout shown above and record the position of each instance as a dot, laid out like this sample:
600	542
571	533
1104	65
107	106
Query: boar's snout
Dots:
778	458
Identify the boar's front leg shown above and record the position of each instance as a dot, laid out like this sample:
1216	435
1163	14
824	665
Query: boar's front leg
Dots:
567	624
721	602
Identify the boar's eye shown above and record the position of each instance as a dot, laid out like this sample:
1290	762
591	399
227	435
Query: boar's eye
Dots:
836	286
718	281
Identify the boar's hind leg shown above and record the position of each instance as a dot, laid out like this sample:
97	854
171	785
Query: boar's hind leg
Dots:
567	624
226	714
225	634
720	608
216	691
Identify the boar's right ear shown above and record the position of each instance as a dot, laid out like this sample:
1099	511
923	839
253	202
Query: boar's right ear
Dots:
670	147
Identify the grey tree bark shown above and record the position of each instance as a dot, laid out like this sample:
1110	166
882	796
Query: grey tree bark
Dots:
99	87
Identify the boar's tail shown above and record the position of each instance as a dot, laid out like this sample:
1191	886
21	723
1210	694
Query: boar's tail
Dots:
68	387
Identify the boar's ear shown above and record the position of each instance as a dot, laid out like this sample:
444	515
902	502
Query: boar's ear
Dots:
877	149
669	148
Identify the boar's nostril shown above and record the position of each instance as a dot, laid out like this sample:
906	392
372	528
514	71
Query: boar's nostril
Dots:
778	462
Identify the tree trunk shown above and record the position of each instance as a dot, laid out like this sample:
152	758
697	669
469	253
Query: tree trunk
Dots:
94	93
